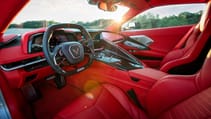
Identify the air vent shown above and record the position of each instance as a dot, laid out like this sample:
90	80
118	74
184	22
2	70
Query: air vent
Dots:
22	63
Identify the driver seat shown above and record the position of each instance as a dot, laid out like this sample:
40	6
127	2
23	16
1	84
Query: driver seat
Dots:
171	97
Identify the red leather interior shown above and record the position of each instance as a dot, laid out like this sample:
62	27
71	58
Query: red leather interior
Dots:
140	80
163	96
197	107
194	45
181	43
148	73
184	47
178	53
169	91
173	96
188	95
95	105
164	38
17	78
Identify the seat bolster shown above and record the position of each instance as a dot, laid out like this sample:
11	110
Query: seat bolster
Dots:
176	62
102	102
133	110
169	91
175	54
204	77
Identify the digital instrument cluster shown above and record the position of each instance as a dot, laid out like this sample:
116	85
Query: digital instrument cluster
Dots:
35	41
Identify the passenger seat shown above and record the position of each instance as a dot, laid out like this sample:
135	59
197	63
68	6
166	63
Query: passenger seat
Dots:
189	59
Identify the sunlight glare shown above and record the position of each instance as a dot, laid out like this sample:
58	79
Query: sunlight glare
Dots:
117	15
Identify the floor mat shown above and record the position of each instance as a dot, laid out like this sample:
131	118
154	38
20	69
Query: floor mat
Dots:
52	99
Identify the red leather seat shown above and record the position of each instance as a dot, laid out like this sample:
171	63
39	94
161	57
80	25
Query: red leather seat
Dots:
182	97
194	42
172	97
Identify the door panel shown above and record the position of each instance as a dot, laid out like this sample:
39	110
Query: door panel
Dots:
164	39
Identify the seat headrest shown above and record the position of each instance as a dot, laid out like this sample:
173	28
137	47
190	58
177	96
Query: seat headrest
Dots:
205	18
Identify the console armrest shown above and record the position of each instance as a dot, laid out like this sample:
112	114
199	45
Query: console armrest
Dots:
148	76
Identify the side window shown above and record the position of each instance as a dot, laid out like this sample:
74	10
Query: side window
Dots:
166	16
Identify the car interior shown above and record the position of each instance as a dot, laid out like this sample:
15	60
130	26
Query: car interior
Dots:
65	71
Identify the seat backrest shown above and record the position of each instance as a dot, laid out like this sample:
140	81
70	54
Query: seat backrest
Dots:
182	96
196	41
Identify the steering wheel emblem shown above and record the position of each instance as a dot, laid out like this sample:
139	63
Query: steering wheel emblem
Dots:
75	51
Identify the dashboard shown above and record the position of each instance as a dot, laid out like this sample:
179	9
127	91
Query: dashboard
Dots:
29	55
25	58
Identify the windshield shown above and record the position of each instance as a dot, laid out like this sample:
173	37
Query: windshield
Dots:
42	13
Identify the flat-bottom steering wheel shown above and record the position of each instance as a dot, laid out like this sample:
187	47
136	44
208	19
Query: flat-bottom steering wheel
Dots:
73	51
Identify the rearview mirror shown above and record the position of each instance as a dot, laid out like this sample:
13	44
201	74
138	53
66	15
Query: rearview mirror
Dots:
107	6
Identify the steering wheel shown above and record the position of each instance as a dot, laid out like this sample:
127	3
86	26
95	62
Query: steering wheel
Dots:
73	51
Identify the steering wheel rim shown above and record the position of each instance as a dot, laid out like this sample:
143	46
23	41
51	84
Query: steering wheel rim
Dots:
50	55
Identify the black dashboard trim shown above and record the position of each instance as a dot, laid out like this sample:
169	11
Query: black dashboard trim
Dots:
5	68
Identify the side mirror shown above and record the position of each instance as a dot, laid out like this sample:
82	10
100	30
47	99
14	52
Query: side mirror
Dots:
131	26
107	6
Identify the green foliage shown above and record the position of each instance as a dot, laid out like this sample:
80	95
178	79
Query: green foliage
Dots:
97	24
33	24
150	20
14	26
